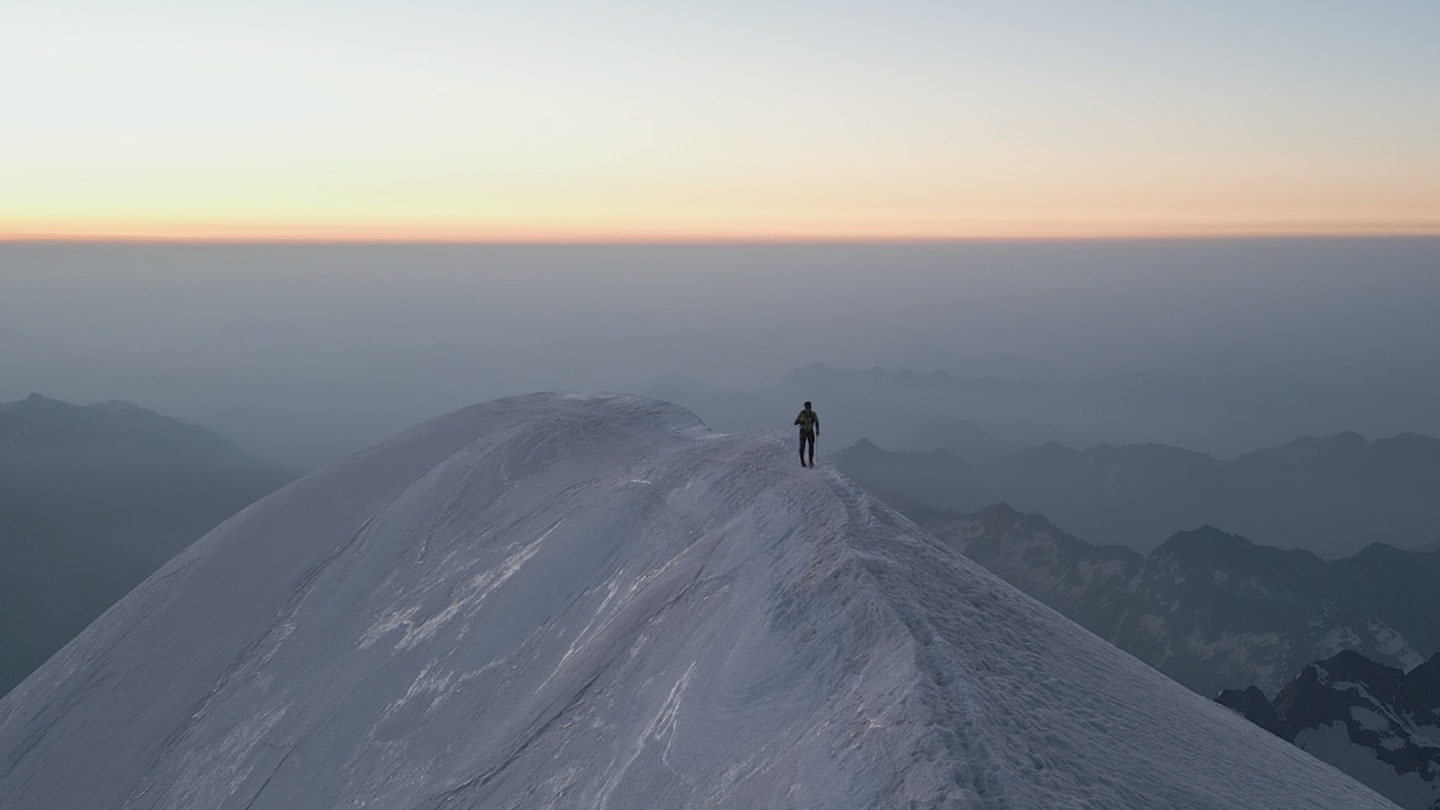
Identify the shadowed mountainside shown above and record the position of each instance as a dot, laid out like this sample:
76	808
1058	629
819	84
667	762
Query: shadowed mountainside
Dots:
1210	609
92	499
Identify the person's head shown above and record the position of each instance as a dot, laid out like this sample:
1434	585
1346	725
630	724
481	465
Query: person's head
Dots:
807	406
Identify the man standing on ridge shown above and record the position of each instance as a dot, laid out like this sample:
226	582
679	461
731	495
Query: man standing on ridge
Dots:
809	423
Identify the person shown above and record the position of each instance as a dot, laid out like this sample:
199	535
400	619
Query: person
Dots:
809	423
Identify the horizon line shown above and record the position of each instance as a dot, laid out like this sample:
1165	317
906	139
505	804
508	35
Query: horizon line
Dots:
559	240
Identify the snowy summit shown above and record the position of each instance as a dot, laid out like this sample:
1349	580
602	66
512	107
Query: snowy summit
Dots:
597	602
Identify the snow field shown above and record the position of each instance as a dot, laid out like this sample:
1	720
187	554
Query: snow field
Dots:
558	601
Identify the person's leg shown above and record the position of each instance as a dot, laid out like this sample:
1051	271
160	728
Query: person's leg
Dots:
811	440
802	448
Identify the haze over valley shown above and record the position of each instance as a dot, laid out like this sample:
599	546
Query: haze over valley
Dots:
305	353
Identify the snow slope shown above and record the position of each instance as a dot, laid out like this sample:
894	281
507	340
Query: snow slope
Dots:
596	602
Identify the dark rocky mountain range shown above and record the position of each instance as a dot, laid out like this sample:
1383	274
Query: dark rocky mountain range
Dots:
94	498
1377	723
1332	495
1210	609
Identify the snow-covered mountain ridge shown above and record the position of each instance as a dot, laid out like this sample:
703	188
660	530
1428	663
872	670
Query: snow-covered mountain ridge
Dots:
596	602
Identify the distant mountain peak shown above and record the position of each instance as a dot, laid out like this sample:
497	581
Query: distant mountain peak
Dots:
812	372
1313	448
1002	511
37	404
1349	666
1204	540
1253	705
1379	552
1211	548
109	433
1049	451
864	451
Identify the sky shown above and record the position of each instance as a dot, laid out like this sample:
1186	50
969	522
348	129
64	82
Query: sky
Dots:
641	120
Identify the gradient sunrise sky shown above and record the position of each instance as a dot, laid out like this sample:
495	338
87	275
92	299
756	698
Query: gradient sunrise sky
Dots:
751	120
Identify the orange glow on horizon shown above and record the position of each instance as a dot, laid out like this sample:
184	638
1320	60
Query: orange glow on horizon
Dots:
697	237
997	230
638	124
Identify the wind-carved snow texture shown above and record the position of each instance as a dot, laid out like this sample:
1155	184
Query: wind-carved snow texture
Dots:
596	602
